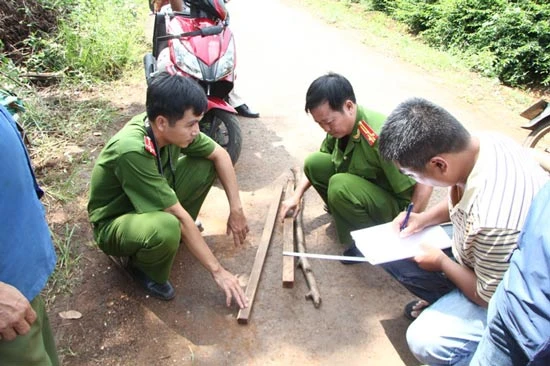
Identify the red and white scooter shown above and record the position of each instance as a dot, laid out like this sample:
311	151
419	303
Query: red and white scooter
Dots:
199	44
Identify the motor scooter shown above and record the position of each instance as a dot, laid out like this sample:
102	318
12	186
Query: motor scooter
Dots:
198	43
539	124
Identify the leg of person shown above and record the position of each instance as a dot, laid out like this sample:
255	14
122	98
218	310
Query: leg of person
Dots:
356	203
194	178
427	285
498	347
37	347
150	239
542	357
318	168
447	332
234	99
240	106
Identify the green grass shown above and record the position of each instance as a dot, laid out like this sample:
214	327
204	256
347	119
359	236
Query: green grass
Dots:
101	38
98	45
95	40
63	278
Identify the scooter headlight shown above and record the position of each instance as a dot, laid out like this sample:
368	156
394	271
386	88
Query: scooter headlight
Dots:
226	64
185	60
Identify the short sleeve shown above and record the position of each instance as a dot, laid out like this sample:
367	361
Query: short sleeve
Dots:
201	147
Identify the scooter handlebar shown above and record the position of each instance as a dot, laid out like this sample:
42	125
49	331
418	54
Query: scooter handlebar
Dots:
210	31
203	32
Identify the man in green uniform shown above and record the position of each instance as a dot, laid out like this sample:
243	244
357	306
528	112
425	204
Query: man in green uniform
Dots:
149	183
359	188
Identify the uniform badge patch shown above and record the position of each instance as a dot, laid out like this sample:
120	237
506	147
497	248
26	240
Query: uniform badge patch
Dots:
367	132
149	146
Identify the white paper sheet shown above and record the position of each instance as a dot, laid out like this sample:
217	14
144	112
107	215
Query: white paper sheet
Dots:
381	243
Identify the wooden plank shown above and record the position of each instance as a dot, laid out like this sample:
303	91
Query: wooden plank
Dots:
288	241
254	279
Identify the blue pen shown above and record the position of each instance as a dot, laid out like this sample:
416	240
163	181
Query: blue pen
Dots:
406	221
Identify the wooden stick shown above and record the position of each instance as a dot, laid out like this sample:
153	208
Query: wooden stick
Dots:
244	314
303	262
44	75
288	241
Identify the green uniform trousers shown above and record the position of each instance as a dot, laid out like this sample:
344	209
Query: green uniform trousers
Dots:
354	202
36	348
152	239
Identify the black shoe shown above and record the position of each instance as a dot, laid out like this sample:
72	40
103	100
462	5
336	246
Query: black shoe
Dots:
164	291
244	111
352	251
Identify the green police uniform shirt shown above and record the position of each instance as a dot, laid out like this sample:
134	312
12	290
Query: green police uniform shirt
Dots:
126	177
360	156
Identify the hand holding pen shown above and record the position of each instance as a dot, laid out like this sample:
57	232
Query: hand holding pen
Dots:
407	216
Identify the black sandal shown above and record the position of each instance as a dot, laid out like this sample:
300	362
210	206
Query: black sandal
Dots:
414	308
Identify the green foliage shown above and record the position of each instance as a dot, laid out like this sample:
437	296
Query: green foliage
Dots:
9	73
58	5
520	40
382	5
46	55
63	279
506	38
101	38
458	21
416	14
93	40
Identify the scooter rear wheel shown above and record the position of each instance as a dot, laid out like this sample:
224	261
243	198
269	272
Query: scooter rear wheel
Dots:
539	138
223	127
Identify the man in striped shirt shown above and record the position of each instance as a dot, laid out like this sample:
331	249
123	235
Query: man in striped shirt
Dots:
491	182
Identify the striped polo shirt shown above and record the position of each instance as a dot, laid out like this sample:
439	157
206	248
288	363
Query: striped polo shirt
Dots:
489	216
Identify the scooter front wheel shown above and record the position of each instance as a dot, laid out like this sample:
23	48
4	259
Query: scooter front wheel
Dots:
223	127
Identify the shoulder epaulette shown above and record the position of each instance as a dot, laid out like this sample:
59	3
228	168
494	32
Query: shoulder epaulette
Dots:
367	132
149	146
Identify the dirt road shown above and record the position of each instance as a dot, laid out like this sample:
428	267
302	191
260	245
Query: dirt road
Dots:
281	49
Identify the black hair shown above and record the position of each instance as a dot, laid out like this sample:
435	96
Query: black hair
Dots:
171	95
332	88
417	130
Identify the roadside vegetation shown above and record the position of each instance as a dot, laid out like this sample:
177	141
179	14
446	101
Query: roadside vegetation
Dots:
58	56
506	39
401	29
